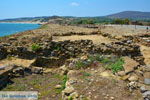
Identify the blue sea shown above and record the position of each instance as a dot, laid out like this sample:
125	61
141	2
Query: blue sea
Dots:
11	28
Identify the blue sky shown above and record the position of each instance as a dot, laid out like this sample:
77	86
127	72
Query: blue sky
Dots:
31	8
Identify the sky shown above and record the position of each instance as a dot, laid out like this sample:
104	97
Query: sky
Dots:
33	8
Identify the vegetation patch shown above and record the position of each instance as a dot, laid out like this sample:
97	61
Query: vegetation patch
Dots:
44	84
113	63
80	64
63	84
116	66
86	74
35	47
45	26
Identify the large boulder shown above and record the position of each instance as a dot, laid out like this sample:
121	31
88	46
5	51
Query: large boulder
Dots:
129	64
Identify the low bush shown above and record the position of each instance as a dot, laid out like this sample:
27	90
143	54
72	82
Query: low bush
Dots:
113	63
35	47
116	66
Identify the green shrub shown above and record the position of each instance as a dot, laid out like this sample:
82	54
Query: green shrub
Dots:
86	74
35	47
65	78
80	64
116	66
96	57
70	98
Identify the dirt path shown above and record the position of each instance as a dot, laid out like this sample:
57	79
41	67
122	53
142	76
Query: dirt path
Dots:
146	53
97	39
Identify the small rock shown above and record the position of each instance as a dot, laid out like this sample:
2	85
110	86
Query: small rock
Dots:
2	67
143	89
84	58
37	70
112	98
132	85
95	97
64	70
106	74
73	81
74	95
147	68
146	95
71	65
58	86
147	78
133	78
71	73
68	90
121	73
125	77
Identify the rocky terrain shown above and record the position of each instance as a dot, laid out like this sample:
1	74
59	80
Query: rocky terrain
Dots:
77	63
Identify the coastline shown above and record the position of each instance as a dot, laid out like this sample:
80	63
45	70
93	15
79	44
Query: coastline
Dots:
4	33
24	22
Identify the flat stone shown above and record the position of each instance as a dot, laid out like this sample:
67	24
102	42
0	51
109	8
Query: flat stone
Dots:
143	89
106	74
37	70
133	78
129	64
147	81
121	73
74	95
147	69
125	77
6	68
68	90
146	95
58	86
147	78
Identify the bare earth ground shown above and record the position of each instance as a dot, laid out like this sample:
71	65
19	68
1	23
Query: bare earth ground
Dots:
91	83
17	61
97	39
98	84
124	30
44	84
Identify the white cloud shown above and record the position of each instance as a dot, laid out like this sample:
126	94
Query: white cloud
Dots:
74	4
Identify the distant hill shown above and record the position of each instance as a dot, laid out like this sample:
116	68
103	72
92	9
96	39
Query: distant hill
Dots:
131	15
53	19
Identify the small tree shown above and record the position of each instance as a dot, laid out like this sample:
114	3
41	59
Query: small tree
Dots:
118	21
126	21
